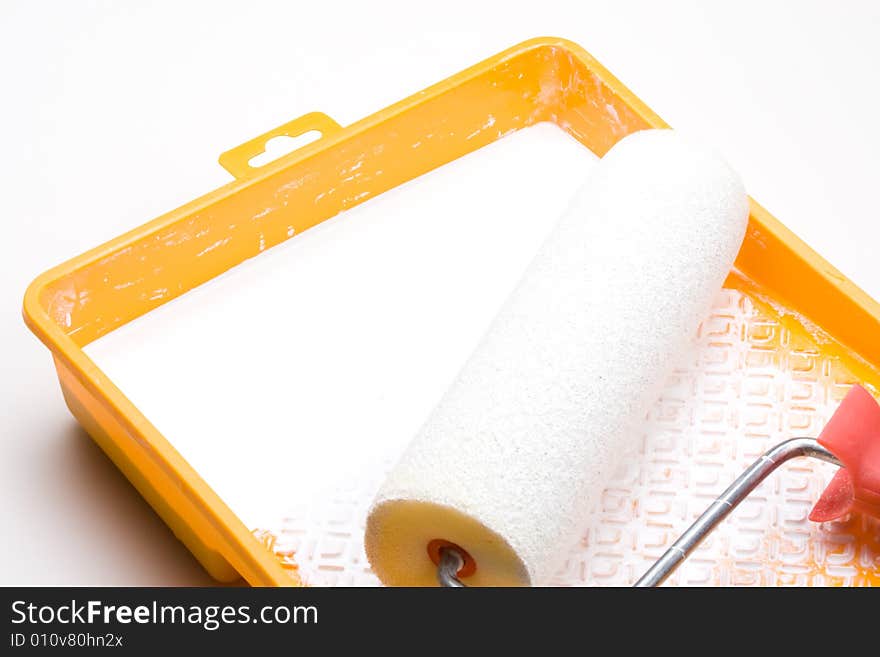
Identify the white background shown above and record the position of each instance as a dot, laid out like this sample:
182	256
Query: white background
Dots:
113	114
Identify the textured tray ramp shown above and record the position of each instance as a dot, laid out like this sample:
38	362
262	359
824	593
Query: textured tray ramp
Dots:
748	384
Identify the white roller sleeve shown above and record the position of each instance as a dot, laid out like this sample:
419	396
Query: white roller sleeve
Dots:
516	453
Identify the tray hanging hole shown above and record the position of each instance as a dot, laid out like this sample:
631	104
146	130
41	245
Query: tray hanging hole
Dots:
281	145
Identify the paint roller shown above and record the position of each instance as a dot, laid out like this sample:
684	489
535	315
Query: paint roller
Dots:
501	478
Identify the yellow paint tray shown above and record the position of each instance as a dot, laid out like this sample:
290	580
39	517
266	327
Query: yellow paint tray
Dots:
787	337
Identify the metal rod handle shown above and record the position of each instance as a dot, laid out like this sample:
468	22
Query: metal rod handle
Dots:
728	501
451	562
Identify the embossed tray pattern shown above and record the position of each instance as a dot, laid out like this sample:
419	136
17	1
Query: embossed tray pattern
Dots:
748	384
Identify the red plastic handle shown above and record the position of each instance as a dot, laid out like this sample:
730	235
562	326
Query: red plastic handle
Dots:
853	436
